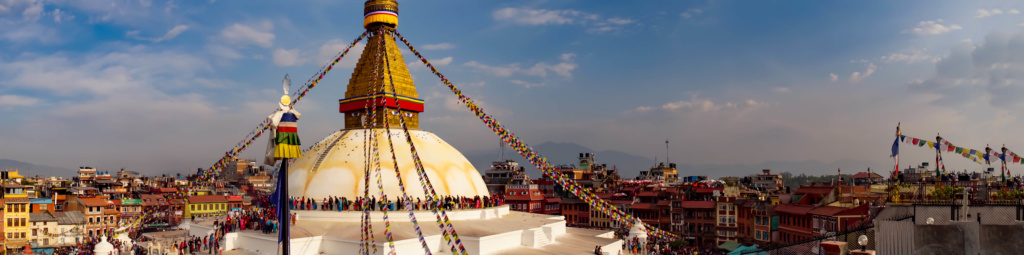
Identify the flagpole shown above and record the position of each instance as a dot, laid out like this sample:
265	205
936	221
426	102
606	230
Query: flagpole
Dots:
283	205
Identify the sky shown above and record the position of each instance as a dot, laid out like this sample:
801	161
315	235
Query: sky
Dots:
169	86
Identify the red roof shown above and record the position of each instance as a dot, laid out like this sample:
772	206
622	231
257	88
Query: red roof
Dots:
207	199
663	202
859	210
863	175
642	206
648	194
793	209
92	201
707	190
817	190
111	212
698	204
826	210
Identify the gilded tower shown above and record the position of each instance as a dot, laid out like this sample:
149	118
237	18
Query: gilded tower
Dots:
380	17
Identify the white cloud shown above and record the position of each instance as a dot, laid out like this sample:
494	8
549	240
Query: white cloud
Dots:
1021	25
702	105
500	71
244	35
332	48
910	56
439	46
25	33
223	52
833	77
540	69
525	16
688	14
33	12
620	21
283	57
526	84
442	62
783	89
171	34
17	100
982	13
535	17
856	77
931	27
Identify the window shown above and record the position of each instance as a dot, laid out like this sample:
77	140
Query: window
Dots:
42	207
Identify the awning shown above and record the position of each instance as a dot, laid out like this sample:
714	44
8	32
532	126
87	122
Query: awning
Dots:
729	245
747	250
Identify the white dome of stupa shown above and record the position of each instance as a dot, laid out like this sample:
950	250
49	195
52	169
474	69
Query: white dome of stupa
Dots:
103	247
341	173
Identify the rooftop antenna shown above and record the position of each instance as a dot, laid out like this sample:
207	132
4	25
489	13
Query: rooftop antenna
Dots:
666	152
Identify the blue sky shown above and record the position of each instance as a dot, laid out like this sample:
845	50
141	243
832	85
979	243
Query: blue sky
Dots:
162	86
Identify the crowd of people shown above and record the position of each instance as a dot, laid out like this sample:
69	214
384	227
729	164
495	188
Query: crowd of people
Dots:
374	204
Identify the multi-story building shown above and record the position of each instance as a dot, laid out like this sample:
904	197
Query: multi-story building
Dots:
501	174
16	220
42	205
86	175
699	219
766	181
158	211
661	172
128	207
866	178
71	227
765	222
42	225
205	205
94	210
726	213
524	198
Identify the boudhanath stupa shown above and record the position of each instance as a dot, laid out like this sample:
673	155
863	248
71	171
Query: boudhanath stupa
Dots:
336	167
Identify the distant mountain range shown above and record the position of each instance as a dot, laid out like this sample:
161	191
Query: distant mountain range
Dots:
31	170
630	165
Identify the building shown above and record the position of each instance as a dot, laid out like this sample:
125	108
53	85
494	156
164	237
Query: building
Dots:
661	172
699	220
128	207
205	206
766	181
16	220
765	222
43	224
42	205
71	227
866	178
86	175
794	222
98	219
501	174
726	212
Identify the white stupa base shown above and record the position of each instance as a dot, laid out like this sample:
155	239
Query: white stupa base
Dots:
483	231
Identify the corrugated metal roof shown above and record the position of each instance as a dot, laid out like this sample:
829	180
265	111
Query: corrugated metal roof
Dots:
40	217
69	217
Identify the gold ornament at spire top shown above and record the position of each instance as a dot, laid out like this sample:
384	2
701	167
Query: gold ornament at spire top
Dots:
380	12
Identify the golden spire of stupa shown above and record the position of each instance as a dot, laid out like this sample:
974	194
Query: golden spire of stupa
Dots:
378	16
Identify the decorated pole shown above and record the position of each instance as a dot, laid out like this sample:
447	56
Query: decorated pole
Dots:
896	153
938	155
283	144
1002	157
